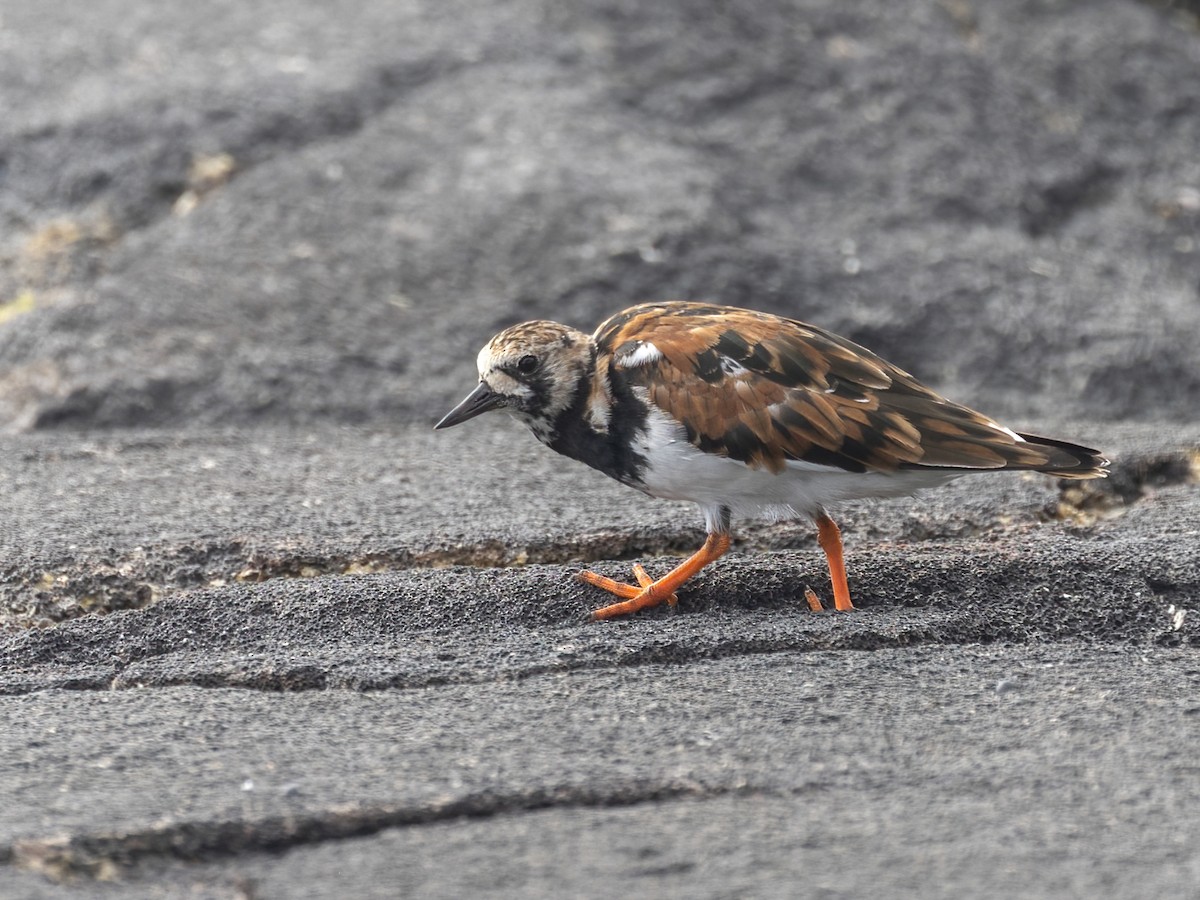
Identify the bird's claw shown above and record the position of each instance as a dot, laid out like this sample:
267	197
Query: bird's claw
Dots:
634	597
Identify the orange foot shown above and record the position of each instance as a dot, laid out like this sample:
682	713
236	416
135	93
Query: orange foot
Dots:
639	596
648	592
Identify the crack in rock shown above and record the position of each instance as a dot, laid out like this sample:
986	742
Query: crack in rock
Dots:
143	577
113	855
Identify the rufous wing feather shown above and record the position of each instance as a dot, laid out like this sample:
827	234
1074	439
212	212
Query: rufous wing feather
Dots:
765	390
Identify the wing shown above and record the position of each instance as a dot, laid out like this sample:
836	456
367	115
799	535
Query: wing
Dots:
766	390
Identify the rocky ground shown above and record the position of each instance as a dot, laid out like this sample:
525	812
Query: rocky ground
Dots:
264	634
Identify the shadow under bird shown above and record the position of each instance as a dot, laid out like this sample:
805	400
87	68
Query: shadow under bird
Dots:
742	413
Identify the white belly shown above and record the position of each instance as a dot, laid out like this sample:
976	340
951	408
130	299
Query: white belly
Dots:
676	470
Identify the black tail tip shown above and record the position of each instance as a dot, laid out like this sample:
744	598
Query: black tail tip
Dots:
1067	460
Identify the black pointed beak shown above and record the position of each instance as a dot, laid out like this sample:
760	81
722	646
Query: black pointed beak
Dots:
480	400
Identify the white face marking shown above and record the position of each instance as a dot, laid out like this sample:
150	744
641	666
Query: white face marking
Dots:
499	381
644	354
537	396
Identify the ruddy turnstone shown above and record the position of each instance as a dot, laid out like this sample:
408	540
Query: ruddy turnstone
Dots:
742	412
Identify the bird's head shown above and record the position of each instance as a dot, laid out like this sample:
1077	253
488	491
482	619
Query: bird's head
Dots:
533	370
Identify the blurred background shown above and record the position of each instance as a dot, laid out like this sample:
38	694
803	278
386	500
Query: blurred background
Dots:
292	212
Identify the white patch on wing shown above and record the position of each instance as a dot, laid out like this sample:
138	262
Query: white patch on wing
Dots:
676	470
644	354
732	367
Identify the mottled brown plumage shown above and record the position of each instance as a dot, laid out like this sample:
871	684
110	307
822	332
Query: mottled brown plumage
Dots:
798	392
741	411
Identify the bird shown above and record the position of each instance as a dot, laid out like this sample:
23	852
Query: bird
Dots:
743	413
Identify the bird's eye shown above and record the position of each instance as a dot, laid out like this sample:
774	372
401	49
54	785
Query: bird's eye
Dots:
527	364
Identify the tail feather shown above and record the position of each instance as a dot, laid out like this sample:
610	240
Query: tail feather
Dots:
1066	460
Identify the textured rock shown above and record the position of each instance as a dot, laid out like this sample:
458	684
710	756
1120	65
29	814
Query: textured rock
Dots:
290	643
313	217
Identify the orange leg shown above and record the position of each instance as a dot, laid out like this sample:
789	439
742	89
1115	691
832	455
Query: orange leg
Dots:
651	593
830	539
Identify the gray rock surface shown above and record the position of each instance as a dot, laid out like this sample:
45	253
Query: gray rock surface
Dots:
263	634
292	215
